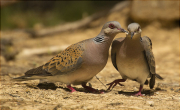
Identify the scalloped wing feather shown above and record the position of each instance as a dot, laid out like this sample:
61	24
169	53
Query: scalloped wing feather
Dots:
147	44
68	60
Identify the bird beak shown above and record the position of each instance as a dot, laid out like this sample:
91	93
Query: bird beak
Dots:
132	34
123	30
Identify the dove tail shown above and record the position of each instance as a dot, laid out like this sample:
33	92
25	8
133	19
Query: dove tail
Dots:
152	81
35	72
159	77
22	78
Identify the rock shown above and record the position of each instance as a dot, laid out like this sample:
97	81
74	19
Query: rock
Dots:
151	103
58	107
154	10
7	49
171	89
157	92
177	90
135	89
5	108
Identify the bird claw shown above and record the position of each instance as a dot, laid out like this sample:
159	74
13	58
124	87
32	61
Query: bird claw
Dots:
120	84
114	83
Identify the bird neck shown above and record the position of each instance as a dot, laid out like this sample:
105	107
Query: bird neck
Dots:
134	42
103	39
135	38
102	43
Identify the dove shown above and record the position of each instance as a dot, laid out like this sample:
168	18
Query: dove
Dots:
79	62
133	58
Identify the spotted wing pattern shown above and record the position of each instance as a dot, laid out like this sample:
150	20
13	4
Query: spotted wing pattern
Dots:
66	61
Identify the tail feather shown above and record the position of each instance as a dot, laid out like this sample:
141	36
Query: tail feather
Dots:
152	81
159	77
22	78
35	73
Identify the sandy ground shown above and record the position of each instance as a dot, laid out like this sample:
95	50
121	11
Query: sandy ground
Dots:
28	95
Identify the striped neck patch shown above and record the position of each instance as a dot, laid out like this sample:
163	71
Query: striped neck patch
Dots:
99	39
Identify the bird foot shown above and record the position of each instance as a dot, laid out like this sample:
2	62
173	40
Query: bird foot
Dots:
115	82
138	94
71	88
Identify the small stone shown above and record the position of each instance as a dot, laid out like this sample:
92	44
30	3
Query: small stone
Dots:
175	84
112	75
157	92
98	76
5	108
177	90
14	95
171	89
151	103
90	85
135	89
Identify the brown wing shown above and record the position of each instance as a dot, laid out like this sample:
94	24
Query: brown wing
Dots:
114	50
66	61
147	44
146	41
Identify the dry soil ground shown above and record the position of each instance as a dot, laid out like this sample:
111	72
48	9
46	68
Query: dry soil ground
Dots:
28	96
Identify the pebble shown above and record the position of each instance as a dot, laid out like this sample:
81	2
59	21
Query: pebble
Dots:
98	76
157	92
175	84
151	103
171	89
177	90
112	75
135	89
176	98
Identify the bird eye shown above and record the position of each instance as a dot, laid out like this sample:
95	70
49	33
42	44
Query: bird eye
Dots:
111	26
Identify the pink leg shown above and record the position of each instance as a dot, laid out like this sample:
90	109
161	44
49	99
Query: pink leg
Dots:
115	82
90	88
139	92
71	88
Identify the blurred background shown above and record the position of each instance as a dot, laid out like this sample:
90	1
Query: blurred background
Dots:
40	29
43	18
34	31
27	14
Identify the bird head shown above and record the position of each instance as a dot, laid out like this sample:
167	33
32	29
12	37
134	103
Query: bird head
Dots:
113	28
134	29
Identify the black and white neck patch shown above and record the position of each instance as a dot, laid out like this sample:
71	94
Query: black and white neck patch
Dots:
99	39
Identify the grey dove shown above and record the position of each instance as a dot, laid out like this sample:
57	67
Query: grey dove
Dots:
132	56
80	62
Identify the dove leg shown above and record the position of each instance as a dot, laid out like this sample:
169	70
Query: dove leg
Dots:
71	88
139	92
115	82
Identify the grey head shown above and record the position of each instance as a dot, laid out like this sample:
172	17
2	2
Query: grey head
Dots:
134	29
112	28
